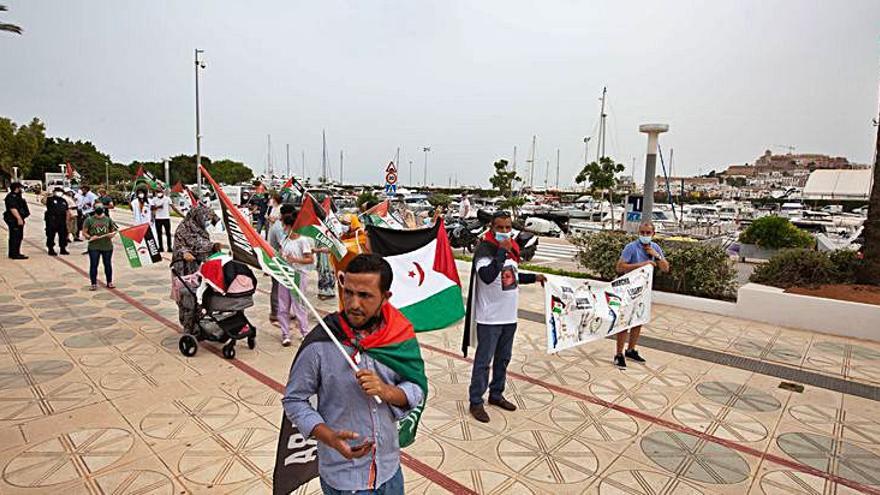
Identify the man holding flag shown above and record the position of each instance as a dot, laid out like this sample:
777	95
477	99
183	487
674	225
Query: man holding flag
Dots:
358	437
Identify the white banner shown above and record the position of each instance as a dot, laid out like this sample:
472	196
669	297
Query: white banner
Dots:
579	311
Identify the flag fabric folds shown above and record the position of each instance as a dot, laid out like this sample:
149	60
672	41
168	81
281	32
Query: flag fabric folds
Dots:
247	246
140	245
426	287
309	224
381	216
144	177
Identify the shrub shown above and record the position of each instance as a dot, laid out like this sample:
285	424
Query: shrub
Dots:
807	268
599	252
796	267
775	232
697	269
846	265
366	197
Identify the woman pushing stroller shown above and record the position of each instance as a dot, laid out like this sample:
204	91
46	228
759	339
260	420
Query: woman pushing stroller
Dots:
192	246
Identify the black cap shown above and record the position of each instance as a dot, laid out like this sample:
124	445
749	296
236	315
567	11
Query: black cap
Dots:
15	185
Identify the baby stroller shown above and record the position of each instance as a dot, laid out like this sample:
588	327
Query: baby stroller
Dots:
225	288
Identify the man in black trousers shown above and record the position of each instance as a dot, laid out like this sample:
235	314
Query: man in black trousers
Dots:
14	216
56	222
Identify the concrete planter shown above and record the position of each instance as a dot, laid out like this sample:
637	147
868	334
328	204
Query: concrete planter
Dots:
755	252
830	316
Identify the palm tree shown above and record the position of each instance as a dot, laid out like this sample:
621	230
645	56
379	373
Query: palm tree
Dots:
11	28
871	272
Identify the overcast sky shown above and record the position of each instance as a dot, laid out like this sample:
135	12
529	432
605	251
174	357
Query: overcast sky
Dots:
470	79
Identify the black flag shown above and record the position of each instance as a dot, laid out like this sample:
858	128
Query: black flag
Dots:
296	461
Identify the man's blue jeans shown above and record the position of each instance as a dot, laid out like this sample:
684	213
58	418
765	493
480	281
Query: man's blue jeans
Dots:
393	486
494	346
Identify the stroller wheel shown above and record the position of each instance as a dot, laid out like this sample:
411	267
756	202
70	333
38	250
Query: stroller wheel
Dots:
188	345
229	350
251	342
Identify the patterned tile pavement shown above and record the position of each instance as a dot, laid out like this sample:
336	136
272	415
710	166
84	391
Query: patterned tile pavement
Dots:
95	398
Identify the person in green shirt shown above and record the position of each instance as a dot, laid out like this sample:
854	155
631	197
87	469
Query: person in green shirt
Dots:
99	229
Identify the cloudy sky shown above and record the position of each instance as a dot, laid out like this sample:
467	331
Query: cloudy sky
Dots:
470	79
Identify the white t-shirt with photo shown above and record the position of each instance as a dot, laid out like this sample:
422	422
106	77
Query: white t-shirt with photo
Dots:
163	207
142	213
497	303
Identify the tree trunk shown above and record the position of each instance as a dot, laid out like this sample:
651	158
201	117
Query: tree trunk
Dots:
871	272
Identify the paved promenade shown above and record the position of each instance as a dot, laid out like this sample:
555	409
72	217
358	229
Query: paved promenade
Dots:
96	399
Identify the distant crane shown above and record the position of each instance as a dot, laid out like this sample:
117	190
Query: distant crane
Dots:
788	147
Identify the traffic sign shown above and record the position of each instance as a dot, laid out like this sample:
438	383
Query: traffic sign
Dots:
391	178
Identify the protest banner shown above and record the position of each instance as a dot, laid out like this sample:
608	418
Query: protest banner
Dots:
579	311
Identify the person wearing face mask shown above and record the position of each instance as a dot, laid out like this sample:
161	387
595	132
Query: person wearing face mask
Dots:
641	252
161	207
141	209
276	236
56	222
492	313
297	250
99	229
15	215
71	214
192	245
358	440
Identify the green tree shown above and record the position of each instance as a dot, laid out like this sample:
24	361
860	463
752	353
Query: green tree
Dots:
82	156
601	174
503	178
9	28
440	199
366	197
19	145
230	172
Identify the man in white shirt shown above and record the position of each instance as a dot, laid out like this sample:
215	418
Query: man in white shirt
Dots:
85	204
161	207
465	210
492	313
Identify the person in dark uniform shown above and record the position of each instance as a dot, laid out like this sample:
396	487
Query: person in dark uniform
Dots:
15	215
56	221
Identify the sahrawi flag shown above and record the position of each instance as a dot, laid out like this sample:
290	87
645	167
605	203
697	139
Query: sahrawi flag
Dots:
140	245
144	177
426	287
380	215
309	224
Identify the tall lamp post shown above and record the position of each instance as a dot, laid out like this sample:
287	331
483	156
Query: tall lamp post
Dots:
199	64
426	149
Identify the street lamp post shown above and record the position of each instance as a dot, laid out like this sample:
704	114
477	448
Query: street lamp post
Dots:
14	174
426	149
199	64
586	150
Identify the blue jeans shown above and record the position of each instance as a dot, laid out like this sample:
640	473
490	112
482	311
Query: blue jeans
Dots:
103	256
393	486
494	346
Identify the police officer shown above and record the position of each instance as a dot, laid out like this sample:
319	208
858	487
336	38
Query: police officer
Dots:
56	221
14	216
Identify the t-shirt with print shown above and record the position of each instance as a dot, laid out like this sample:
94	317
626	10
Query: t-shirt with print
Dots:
634	253
141	211
497	303
95	226
163	207
298	248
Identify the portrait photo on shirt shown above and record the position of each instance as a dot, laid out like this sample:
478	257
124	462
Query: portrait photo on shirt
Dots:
508	278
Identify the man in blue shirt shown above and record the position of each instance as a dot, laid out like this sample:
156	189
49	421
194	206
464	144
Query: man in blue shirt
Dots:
358	444
641	252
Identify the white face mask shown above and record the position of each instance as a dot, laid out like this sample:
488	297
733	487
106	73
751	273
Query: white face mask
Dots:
141	196
58	194
161	195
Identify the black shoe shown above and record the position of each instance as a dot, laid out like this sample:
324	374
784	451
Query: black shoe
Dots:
619	361
479	413
64	252
503	404
52	252
18	257
634	355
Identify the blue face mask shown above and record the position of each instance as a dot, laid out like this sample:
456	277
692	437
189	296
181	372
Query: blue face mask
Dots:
503	236
645	239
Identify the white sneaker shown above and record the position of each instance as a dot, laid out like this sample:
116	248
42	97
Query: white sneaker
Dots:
285	342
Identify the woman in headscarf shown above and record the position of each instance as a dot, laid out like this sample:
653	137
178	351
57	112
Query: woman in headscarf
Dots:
192	244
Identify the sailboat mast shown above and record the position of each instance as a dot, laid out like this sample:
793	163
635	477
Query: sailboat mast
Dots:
340	167
514	160
269	155
324	156
304	164
600	149
532	162
288	160
557	169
